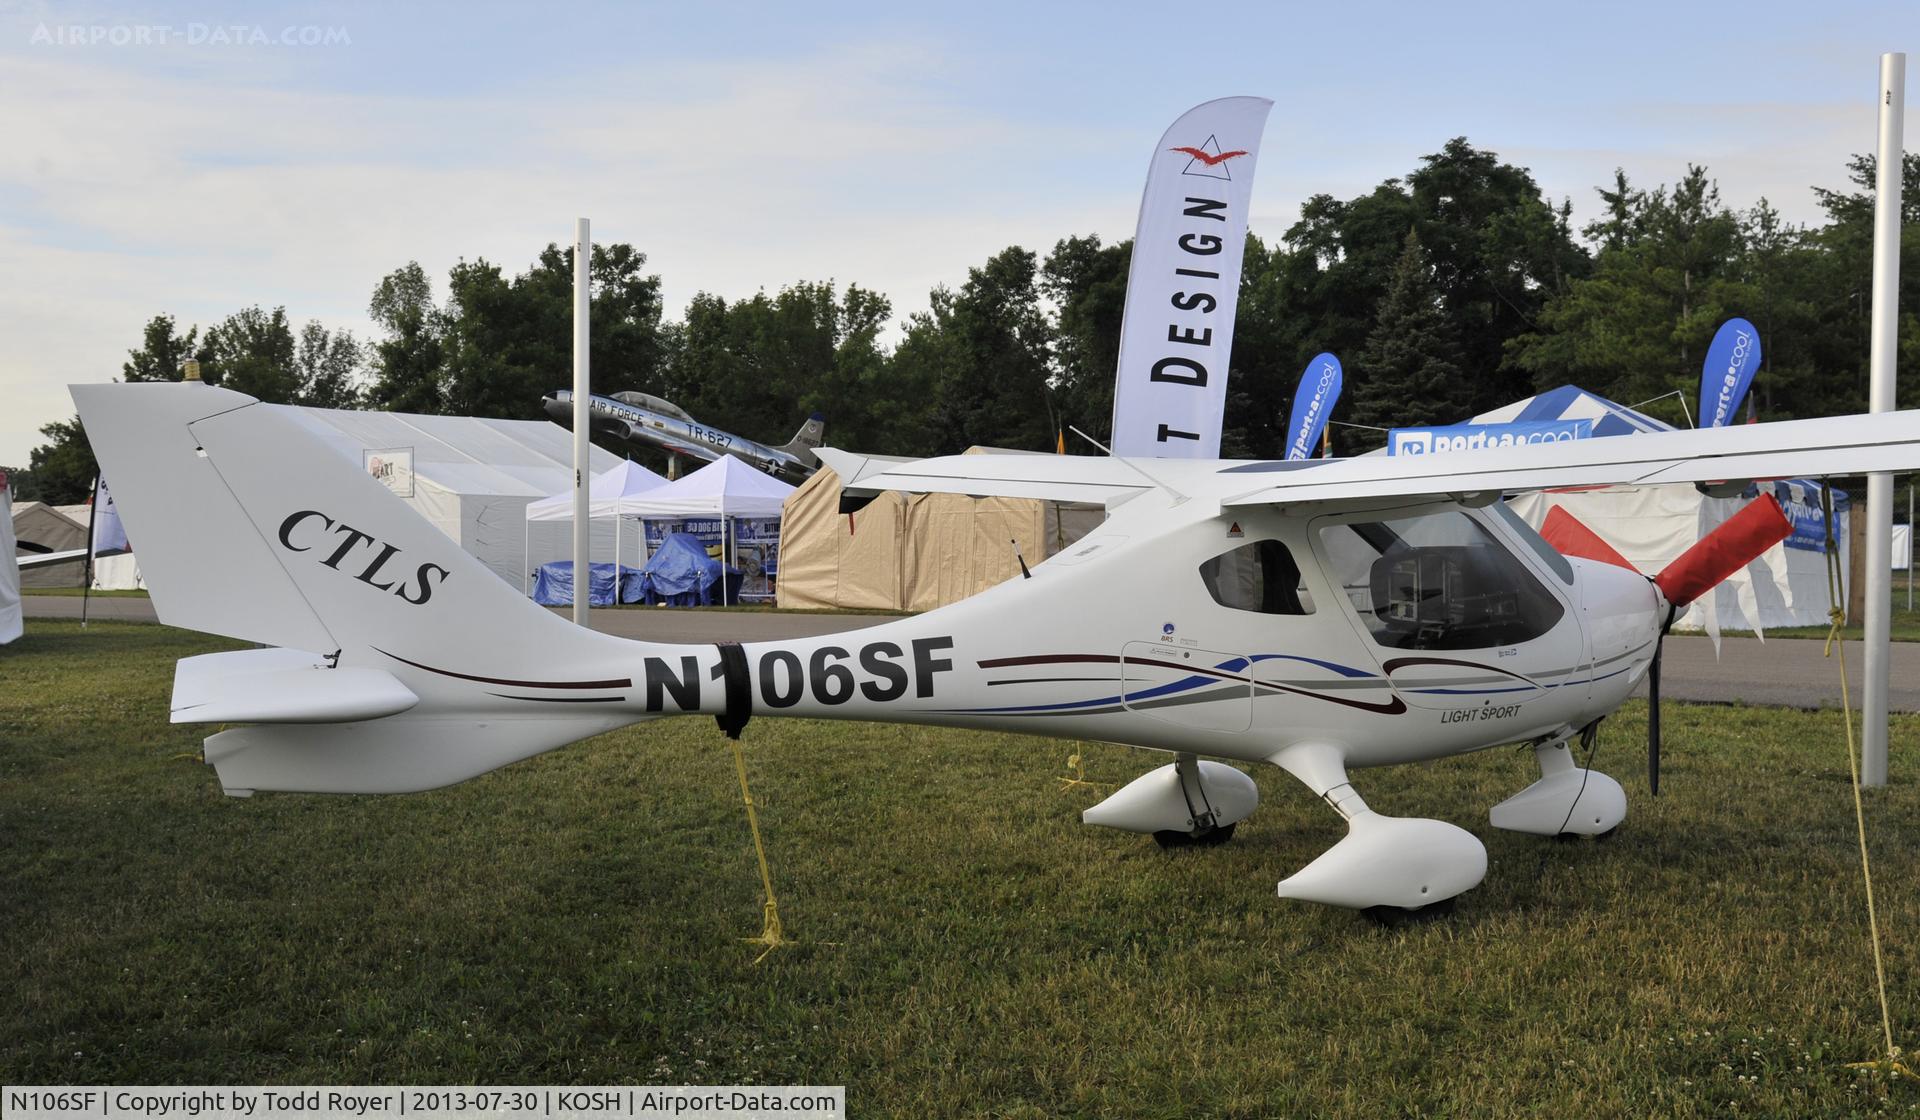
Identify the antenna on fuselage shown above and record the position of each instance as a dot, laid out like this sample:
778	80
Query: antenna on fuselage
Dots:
1105	450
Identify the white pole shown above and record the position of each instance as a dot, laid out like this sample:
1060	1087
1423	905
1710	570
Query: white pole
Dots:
1880	364
582	449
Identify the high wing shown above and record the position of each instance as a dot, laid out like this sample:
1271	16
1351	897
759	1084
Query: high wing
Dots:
1834	445
1060	478
852	466
1887	441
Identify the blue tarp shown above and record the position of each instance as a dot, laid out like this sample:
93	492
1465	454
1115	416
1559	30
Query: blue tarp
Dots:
681	573
553	585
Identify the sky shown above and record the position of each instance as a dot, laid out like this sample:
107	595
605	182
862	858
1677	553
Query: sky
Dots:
198	158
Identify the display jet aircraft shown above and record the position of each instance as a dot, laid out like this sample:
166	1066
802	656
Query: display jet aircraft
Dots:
640	418
1322	616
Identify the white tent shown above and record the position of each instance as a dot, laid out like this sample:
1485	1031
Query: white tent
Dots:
1652	525
471	477
725	488
609	495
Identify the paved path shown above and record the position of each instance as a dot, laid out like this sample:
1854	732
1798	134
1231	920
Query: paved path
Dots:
1786	672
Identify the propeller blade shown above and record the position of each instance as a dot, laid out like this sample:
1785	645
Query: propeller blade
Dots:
1570	537
1735	544
1653	720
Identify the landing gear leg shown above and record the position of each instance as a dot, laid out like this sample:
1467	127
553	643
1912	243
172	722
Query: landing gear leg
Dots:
1206	832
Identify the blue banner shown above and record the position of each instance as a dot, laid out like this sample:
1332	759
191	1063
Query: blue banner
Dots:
1731	362
1313	402
1801	503
1473	437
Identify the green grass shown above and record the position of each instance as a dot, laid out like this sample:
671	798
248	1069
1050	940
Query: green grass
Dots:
968	948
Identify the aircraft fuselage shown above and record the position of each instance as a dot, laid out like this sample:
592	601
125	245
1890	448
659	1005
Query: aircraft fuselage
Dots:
679	435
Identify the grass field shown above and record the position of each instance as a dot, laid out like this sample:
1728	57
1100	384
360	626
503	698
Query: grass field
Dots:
968	948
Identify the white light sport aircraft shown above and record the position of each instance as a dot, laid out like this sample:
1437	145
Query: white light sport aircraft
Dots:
1322	616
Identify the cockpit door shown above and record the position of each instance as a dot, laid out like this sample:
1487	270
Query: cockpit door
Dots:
1457	618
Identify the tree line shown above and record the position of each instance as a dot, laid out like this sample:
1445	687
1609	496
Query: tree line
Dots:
1449	291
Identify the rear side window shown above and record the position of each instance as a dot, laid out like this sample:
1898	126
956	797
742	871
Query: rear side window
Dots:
1259	576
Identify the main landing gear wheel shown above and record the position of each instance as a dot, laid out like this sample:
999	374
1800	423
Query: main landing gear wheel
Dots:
1201	838
1393	917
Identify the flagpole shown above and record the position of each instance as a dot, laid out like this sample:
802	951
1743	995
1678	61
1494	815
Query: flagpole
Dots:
86	578
1882	362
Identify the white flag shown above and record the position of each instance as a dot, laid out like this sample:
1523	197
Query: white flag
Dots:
1182	288
10	626
109	536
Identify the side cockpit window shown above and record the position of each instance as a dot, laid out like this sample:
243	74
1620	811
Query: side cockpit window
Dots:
1438	581
1259	576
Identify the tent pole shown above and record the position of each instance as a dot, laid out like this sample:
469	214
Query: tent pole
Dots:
1882	356
582	421
86	570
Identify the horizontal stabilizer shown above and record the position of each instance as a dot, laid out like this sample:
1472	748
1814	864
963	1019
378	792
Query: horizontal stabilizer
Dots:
282	686
405	754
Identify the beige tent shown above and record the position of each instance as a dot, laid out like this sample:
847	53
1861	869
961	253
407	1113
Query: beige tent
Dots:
912	552
56	530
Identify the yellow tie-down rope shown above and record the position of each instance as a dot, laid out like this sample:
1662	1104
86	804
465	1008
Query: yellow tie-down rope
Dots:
1076	775
1890	1064
771	936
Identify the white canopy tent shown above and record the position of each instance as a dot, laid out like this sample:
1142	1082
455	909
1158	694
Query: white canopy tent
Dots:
725	488
610	494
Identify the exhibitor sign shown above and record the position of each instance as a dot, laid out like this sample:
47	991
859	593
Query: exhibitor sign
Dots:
1176	333
391	467
1473	437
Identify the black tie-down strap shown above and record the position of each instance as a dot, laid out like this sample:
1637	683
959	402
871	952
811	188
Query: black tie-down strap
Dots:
733	674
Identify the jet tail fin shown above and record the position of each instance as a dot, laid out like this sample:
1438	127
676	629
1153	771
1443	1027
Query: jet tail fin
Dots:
807	438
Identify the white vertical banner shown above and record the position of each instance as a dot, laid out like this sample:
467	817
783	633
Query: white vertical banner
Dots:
10	624
1176	336
109	535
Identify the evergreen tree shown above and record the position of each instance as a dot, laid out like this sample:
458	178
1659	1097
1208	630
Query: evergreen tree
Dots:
1415	370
